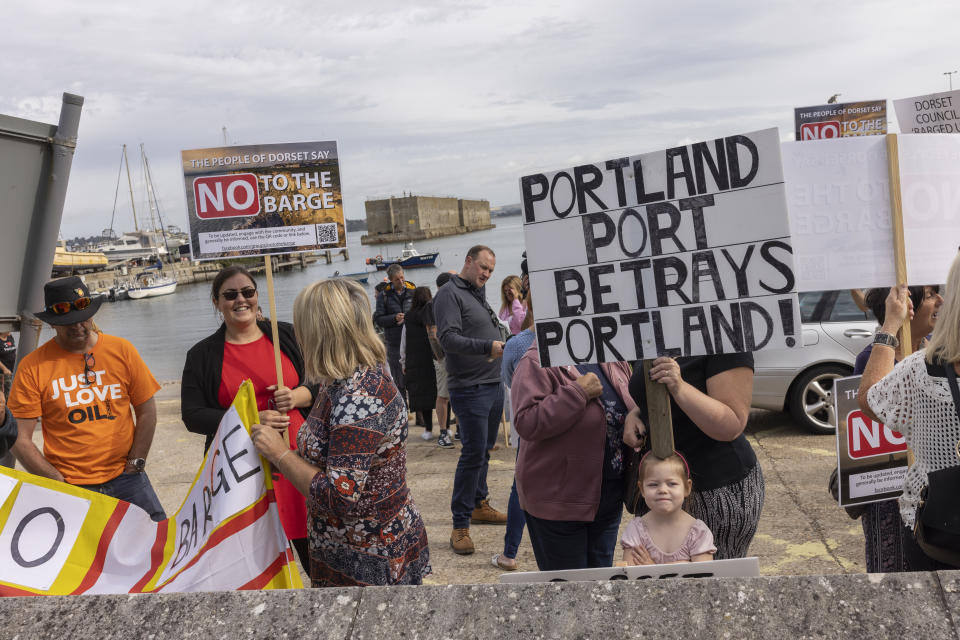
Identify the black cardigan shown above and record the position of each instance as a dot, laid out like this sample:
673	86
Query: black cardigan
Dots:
200	384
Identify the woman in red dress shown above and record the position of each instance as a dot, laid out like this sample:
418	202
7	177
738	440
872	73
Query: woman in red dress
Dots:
241	349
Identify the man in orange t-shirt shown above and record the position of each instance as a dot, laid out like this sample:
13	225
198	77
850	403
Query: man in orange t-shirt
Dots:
82	384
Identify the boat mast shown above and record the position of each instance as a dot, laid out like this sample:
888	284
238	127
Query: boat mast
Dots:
152	200
133	206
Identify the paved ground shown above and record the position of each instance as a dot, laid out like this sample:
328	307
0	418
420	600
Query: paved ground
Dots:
802	531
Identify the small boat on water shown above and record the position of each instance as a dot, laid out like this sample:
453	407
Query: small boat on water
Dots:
150	285
360	277
408	259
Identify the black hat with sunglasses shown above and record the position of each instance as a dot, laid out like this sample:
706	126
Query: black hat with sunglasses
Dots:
68	301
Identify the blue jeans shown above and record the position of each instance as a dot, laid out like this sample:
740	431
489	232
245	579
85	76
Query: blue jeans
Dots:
516	521
569	544
134	488
478	408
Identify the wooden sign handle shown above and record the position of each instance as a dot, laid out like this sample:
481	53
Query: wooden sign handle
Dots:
659	421
268	269
896	220
899	248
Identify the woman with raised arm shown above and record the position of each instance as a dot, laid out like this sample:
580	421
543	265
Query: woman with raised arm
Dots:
915	398
710	403
570	465
350	462
882	526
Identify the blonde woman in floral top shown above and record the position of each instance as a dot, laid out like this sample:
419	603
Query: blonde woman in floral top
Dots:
363	526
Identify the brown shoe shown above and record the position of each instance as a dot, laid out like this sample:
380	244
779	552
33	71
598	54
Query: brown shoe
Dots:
460	542
485	514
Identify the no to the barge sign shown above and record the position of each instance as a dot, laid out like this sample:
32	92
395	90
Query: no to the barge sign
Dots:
263	199
679	252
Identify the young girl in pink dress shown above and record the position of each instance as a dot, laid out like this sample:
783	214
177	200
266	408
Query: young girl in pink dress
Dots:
666	533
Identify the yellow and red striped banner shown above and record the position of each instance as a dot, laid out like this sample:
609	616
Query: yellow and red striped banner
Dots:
57	539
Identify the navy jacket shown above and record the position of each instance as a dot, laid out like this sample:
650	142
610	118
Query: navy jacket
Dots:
389	304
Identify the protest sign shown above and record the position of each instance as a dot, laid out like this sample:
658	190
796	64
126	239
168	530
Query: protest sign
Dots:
263	199
58	539
930	188
684	251
871	457
840	219
733	568
841	120
933	113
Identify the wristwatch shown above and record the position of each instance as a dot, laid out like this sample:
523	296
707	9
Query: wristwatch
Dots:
886	339
139	464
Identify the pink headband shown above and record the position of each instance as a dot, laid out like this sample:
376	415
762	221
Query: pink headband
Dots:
676	453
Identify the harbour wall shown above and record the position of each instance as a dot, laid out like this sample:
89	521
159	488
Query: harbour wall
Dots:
413	218
905	605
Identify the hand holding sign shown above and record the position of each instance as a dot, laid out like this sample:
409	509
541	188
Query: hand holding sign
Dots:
899	309
282	398
274	419
666	371
590	384
269	442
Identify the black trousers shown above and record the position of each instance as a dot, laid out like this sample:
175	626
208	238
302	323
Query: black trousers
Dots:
570	544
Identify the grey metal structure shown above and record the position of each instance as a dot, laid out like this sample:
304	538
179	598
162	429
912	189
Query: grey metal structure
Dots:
35	161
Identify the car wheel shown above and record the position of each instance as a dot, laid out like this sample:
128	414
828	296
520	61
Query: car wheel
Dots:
811	399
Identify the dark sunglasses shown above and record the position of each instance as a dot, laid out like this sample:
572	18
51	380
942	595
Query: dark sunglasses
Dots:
60	308
89	362
247	292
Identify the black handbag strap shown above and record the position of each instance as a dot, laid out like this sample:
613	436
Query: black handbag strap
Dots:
954	389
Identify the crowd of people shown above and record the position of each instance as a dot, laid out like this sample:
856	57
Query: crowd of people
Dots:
335	429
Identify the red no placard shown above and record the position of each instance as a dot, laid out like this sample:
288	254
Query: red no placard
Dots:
867	438
226	196
820	130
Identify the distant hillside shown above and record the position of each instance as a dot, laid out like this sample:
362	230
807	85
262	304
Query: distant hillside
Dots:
505	210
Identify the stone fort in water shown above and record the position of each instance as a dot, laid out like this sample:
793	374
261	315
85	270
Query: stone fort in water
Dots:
414	217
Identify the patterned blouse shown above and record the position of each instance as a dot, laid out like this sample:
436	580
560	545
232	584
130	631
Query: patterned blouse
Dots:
363	525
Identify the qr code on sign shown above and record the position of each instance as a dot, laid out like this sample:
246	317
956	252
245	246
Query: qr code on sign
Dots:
327	233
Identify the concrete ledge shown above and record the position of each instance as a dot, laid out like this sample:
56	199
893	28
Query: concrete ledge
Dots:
912	605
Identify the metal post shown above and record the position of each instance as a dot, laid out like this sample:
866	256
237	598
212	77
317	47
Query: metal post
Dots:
46	225
949	74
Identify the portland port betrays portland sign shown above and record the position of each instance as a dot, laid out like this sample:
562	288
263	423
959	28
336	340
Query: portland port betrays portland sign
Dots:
684	251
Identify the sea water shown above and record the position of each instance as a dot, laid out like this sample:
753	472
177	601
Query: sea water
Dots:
164	328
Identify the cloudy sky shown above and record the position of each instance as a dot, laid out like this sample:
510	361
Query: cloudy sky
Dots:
445	98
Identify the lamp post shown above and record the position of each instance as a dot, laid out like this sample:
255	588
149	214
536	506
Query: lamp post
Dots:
949	75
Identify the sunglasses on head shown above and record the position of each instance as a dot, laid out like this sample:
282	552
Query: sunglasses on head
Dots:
60	308
231	294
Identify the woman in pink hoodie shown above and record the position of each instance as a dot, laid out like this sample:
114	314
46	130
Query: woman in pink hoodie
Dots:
571	464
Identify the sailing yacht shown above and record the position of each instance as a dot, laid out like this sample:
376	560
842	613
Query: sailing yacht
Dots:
140	243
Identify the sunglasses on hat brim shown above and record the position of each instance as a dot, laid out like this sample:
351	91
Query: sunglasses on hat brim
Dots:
62	308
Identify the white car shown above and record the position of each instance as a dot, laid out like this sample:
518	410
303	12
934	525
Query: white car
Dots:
800	381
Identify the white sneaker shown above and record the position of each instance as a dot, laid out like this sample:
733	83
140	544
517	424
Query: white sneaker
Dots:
427	435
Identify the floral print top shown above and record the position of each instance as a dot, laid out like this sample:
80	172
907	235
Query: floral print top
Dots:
363	525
